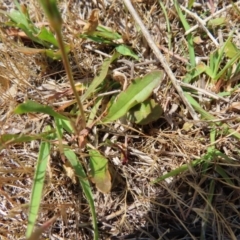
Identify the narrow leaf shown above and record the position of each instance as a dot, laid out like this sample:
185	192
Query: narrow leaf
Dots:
196	106
127	51
100	78
83	180
32	107
20	138
208	116
178	170
107	33
47	36
38	184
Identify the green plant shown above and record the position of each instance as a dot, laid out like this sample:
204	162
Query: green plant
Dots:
191	69
98	164
44	37
215	68
137	93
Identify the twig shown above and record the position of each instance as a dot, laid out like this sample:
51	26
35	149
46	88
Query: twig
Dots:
108	93
213	95
97	51
160	57
174	55
136	65
130	64
212	16
202	23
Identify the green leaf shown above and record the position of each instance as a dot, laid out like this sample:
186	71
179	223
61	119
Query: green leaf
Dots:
47	36
126	51
138	91
54	54
103	35
83	180
20	138
178	170
146	112
18	18
38	184
67	126
195	104
97	39
94	111
100	78
231	50
107	33
189	37
99	171
33	107
217	22
21	20
208	116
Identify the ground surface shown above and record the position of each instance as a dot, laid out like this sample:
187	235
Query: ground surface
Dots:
200	203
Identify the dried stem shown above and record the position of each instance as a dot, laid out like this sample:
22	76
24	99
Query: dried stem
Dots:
160	57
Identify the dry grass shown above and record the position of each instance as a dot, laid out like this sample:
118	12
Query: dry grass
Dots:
177	208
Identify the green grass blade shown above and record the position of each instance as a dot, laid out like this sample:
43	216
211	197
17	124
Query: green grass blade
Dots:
83	180
224	175
208	116
209	157
169	32
177	171
208	209
138	91
190	42
67	126
227	66
94	111
211	149
198	108
38	184
100	78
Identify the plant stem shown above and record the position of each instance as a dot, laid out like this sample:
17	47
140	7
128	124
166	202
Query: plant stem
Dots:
69	74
